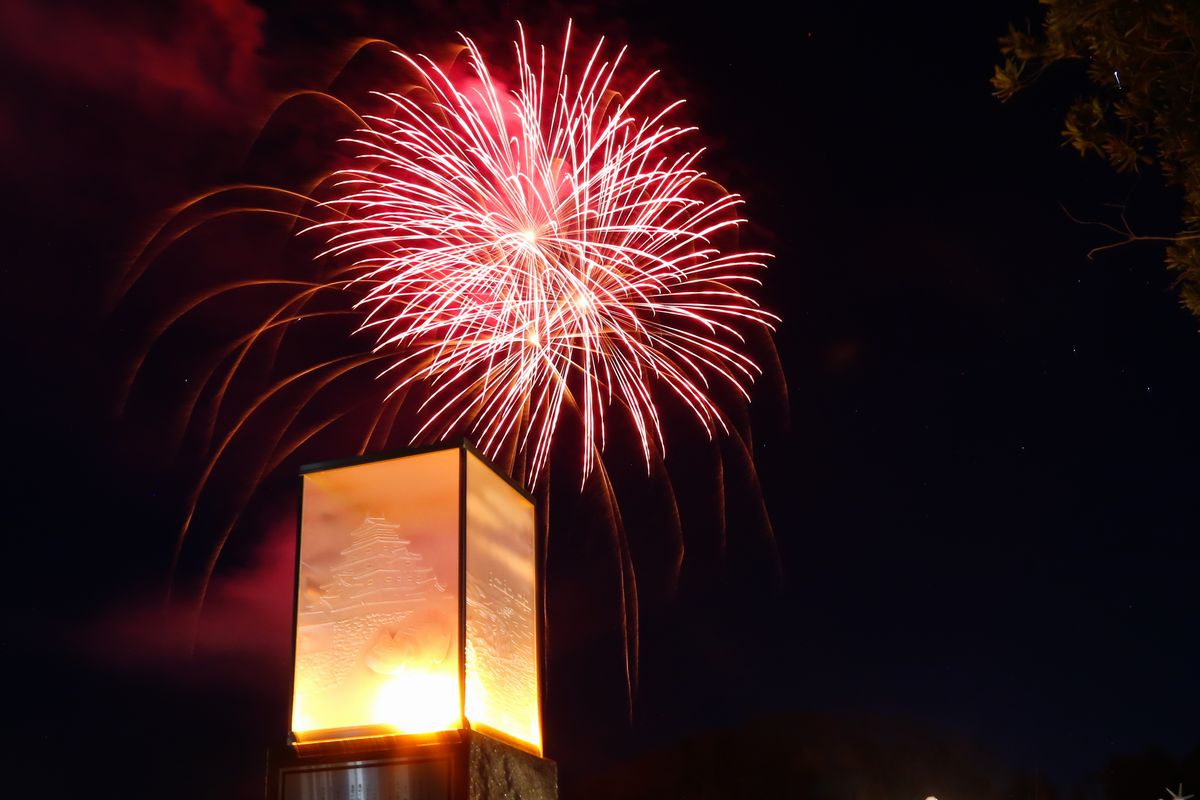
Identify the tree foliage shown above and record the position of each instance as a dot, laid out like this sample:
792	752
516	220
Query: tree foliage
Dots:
1138	107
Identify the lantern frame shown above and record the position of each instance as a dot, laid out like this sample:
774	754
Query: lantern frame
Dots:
372	736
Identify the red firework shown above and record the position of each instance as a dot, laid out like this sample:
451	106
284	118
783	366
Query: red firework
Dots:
520	257
546	248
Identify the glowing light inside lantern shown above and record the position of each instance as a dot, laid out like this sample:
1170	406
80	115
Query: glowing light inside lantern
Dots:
378	633
418	702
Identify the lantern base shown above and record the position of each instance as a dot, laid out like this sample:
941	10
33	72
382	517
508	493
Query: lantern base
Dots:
460	765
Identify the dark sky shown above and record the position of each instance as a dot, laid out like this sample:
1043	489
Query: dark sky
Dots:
982	478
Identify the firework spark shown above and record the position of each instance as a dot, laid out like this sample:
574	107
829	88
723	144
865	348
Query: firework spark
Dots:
546	247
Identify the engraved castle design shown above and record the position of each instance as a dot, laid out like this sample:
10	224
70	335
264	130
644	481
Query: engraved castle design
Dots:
378	610
382	608
500	643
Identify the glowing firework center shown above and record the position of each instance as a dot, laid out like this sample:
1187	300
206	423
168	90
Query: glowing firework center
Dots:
418	601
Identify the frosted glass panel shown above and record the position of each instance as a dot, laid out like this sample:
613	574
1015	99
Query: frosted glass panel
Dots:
501	647
377	631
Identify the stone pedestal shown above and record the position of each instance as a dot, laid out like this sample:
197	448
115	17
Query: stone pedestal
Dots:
458	765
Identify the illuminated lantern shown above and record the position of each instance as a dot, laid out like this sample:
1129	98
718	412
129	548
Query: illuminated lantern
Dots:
418	604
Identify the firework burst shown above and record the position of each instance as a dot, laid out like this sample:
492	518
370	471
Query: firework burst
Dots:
529	257
544	248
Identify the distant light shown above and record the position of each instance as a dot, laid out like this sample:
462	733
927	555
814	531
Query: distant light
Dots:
931	797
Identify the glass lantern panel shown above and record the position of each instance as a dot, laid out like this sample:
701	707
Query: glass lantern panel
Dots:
501	648
377	632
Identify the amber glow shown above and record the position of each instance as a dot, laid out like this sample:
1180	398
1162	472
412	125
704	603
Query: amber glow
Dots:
418	702
501	647
497	713
377	631
378	647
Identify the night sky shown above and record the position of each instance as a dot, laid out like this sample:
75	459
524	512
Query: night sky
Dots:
981	466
